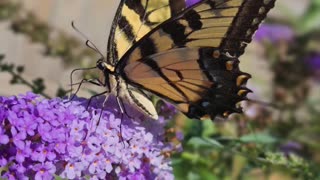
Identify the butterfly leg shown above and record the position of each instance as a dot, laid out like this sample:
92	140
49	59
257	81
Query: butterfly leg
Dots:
123	108
103	105
120	104
96	82
123	112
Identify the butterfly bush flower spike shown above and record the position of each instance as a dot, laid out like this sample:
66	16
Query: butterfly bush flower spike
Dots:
41	138
274	33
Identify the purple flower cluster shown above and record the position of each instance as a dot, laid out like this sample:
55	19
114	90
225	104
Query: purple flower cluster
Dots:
165	110
41	138
274	33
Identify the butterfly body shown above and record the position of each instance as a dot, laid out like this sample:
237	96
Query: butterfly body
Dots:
118	87
188	56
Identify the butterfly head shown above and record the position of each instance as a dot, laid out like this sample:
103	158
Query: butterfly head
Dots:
105	67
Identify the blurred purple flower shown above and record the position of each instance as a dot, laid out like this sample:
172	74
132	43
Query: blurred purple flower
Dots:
313	64
41	138
191	2
165	110
274	33
291	147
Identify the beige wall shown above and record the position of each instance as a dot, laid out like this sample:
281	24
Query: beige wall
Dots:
92	17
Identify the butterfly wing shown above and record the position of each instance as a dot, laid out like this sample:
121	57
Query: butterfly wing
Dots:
191	58
134	19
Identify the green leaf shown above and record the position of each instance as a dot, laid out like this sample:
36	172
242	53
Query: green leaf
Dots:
213	142
192	157
310	20
198	142
208	128
193	176
207	174
259	138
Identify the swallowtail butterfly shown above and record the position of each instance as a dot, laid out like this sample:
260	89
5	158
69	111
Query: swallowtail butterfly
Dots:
187	56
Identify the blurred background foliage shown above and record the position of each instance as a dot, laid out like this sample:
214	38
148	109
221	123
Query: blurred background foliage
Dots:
275	140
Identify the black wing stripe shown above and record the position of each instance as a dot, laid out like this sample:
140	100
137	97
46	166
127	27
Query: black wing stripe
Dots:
193	19
148	48
176	31
136	6
126	28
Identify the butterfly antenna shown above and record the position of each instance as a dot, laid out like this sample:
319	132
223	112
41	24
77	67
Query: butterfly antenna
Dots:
88	42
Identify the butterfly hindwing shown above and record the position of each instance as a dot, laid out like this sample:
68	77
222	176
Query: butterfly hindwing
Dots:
198	83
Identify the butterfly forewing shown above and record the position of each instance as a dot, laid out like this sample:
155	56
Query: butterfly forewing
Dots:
134	19
227	24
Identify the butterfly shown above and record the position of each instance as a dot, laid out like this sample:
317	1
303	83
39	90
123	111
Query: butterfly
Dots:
186	55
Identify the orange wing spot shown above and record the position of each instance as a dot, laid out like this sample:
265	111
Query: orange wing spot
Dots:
216	54
242	79
243	92
229	65
226	114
